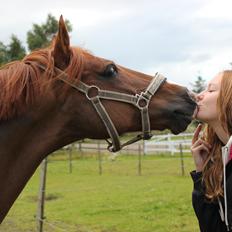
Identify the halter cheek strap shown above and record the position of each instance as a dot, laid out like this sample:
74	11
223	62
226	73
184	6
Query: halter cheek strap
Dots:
141	101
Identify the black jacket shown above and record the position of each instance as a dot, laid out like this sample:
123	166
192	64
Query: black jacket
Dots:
208	212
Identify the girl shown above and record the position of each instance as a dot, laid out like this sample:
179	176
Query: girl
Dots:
212	153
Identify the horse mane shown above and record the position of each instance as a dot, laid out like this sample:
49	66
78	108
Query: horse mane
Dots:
23	82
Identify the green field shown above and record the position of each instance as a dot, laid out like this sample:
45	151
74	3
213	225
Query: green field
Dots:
117	201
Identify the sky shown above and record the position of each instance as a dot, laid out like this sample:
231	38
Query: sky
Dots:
180	39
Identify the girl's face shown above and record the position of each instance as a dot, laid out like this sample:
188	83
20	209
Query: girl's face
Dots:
207	101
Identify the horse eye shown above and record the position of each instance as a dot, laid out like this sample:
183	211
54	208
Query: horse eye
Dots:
110	71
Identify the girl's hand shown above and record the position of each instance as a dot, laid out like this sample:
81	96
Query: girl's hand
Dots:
200	149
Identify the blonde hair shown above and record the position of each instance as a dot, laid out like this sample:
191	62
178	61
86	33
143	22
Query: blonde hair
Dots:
213	168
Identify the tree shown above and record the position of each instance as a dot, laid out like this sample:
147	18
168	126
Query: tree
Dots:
3	54
199	85
13	51
41	35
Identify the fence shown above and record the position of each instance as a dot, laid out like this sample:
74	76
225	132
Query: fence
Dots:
167	143
158	144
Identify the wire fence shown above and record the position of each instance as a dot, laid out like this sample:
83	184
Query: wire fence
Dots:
158	144
162	144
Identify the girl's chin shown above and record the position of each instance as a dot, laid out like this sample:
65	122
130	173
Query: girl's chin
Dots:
199	117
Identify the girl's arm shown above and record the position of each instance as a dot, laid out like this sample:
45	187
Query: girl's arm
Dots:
207	212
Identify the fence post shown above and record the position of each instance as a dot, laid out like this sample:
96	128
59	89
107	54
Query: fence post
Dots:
181	159
171	144
139	163
144	148
80	148
70	149
99	157
41	198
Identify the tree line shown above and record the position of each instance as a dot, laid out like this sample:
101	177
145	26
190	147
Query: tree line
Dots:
38	37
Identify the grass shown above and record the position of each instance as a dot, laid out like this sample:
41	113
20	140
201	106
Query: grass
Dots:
117	201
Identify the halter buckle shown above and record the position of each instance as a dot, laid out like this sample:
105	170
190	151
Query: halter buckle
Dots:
147	136
142	101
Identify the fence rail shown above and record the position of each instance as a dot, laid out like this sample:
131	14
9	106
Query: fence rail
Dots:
167	143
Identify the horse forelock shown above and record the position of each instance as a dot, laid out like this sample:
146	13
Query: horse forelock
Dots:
23	82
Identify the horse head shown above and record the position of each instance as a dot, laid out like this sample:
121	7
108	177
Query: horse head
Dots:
91	97
170	107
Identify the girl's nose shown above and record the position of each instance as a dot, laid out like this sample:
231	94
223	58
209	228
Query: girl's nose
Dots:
199	96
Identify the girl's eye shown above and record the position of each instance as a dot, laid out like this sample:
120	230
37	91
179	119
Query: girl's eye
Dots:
211	90
110	71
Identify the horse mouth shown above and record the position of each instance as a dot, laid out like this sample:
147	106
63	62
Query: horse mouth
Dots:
181	113
183	119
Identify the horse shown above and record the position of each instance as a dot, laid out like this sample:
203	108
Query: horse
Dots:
60	94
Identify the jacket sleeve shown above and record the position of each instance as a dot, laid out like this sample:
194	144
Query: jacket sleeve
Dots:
207	212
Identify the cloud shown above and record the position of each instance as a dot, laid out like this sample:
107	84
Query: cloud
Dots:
181	39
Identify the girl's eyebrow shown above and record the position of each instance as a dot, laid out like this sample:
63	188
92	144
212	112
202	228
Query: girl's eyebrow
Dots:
211	84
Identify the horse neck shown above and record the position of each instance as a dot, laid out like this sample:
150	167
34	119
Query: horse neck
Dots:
24	143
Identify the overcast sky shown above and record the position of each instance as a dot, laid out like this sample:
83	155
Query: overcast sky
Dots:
179	38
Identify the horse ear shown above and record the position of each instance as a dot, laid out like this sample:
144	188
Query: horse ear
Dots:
62	51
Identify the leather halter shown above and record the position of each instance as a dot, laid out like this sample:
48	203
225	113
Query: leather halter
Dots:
141	101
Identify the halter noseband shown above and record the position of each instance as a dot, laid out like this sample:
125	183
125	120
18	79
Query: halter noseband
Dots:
141	101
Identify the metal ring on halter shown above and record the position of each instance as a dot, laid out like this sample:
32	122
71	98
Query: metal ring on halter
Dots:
142	101
92	88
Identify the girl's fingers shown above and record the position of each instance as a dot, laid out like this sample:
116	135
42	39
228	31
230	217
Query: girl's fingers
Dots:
196	133
200	149
201	141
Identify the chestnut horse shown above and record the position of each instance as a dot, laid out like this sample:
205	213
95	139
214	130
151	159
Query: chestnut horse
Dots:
62	94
